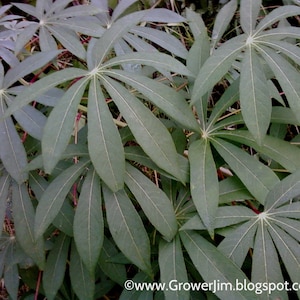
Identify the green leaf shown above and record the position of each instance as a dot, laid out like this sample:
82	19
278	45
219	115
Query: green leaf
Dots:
292	51
12	152
54	273
156	60
4	192
204	182
104	141
59	126
287	75
265	266
127	229
276	15
28	65
222	21
54	196
154	202
162	39
232	189
172	267
149	132
64	219
237	244
213	265
47	41
69	40
216	66
282	192
281	151
11	279
249	11
258	178
255	99
198	53
23	213
276	34
25	35
88	221
228	98
32	92
136	154
115	271
167	99
226	216
283	115
196	23
82	282
288	249
105	43
29	9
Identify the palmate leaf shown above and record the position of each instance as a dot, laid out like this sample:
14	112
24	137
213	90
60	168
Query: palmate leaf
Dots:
127	229
258	178
214	265
54	196
104	141
154	202
47	19
172	267
254	95
204	182
88	221
149	132
272	232
60	123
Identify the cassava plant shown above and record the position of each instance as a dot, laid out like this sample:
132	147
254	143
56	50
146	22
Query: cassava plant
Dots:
136	146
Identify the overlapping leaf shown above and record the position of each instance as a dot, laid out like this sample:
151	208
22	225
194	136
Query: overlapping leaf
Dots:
88	221
154	202
254	96
204	182
54	196
127	228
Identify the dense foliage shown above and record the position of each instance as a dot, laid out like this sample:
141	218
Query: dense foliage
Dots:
146	143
